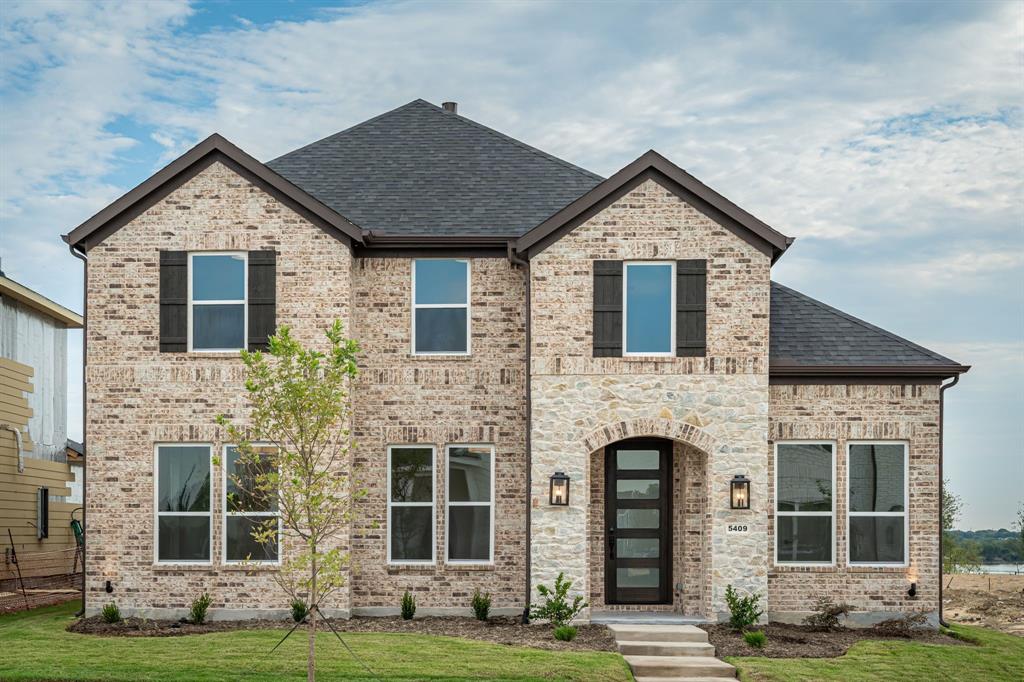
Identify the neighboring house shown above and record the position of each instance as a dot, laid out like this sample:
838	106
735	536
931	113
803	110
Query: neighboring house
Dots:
518	317
34	473
76	460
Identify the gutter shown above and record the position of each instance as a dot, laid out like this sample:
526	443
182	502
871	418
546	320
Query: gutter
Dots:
516	260
17	440
942	398
85	402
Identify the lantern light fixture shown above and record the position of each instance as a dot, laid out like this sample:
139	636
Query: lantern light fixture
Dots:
739	492
559	494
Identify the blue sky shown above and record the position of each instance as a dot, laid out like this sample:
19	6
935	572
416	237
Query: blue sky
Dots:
886	137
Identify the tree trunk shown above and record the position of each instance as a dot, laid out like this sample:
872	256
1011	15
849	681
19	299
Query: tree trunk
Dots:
311	659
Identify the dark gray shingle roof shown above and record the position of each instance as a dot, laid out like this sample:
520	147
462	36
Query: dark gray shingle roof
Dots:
808	332
420	170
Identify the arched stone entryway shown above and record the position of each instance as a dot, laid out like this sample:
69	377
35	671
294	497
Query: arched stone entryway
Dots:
688	568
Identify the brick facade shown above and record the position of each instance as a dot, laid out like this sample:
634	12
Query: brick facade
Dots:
720	411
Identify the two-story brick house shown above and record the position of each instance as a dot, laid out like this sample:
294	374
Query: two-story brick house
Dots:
519	318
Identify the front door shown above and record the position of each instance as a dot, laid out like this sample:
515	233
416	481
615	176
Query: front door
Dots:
638	516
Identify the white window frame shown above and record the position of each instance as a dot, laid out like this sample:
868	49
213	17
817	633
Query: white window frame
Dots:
449	504
671	352
467	305
906	505
226	514
244	300
775	506
432	504
156	506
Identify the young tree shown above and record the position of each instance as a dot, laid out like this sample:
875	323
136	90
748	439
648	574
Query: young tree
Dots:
958	556
299	407
1020	531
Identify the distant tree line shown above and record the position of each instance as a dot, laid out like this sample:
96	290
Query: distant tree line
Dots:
963	551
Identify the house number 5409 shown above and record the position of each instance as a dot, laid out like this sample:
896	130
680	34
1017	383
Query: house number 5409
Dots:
737	528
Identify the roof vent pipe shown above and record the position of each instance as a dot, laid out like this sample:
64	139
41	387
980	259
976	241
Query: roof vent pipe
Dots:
450	107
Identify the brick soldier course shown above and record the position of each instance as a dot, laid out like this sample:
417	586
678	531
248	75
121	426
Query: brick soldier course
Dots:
346	218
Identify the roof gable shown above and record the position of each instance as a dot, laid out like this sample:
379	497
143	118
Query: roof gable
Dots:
213	149
810	338
421	170
653	165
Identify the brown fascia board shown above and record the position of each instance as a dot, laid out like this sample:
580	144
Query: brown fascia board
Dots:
212	149
863	372
655	166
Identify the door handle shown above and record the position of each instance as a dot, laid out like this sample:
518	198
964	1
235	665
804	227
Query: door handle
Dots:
611	543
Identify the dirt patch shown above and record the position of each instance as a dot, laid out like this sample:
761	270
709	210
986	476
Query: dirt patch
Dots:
798	641
992	601
497	630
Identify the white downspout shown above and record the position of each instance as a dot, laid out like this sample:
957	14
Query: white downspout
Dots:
17	439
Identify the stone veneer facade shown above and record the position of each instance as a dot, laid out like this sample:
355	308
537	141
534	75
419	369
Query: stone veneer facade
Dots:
720	410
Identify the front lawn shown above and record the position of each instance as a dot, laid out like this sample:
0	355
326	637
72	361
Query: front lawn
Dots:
998	656
35	646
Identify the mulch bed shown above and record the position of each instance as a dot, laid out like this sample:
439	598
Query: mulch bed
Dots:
800	641
498	630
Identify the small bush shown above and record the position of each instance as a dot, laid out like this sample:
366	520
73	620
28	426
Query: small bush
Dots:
902	626
200	604
755	638
565	633
111	614
481	604
826	614
408	606
743	611
299	610
556	607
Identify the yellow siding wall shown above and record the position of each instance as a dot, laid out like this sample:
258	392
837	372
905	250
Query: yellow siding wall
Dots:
18	490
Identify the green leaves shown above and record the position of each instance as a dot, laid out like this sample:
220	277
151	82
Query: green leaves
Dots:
556	607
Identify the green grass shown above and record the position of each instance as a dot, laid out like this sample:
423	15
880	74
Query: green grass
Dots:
35	646
998	656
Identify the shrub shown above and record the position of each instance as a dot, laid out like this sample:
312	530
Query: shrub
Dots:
199	606
826	614
901	626
565	633
755	638
111	614
743	611
299	610
408	606
481	604
556	607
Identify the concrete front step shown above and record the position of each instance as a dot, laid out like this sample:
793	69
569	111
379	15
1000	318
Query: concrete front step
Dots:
663	648
680	666
658	633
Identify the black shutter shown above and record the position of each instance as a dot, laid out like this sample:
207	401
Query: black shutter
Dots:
607	308
691	308
262	298
173	301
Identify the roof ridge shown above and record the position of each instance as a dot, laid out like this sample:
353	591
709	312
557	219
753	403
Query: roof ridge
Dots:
349	129
519	143
867	325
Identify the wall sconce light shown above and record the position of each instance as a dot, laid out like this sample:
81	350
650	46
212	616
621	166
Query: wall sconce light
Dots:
559	495
739	492
912	592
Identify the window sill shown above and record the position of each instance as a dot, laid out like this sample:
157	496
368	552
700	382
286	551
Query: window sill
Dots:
650	358
183	567
455	357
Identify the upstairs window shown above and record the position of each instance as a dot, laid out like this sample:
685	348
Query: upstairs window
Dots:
217	301
250	506
184	528
440	307
804	503
878	503
649	308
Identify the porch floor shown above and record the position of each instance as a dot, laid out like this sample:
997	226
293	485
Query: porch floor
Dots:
647	618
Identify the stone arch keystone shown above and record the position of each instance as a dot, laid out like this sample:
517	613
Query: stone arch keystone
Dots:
661	428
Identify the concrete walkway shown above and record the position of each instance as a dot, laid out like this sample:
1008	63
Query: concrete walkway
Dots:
669	653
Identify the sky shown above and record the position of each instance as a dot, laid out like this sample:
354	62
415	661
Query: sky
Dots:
886	137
